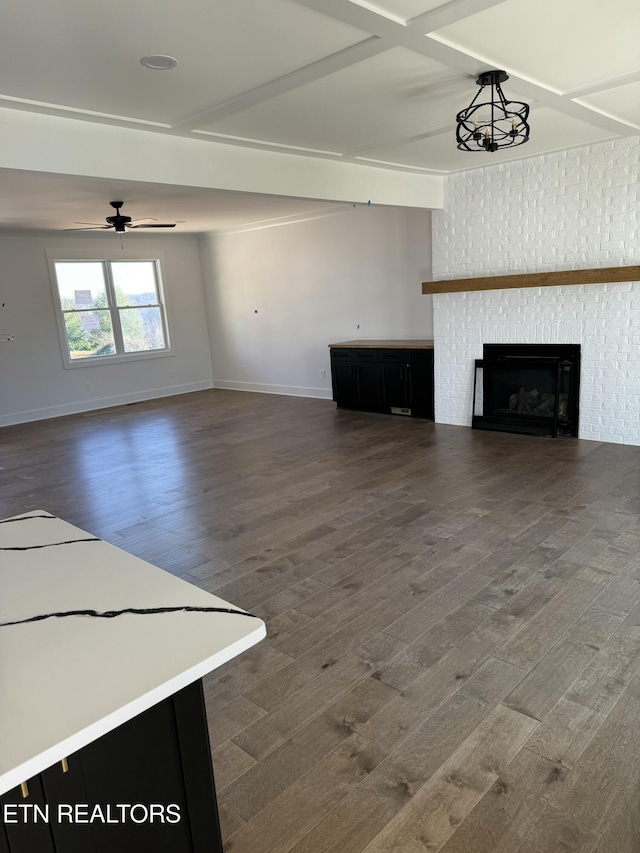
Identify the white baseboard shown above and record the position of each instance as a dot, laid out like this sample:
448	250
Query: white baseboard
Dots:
263	388
101	403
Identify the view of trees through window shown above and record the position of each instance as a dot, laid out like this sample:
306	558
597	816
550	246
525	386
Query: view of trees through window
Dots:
110	307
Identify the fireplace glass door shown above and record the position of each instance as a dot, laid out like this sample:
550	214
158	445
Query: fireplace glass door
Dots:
533	393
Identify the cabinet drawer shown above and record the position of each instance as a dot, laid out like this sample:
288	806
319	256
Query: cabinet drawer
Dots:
394	356
340	354
353	354
421	356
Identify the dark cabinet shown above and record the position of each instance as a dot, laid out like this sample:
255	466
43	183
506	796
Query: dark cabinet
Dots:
150	779
383	379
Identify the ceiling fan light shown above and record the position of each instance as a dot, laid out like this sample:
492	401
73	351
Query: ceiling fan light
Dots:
121	223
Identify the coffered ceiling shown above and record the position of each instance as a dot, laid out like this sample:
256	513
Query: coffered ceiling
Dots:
372	83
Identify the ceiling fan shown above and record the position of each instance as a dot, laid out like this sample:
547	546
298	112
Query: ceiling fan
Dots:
121	223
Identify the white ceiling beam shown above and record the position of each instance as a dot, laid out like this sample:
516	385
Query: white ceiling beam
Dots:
367	17
76	147
264	144
401	140
361	17
308	74
449	14
602	85
389	164
61	110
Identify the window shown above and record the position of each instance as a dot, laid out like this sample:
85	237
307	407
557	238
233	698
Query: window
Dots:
110	310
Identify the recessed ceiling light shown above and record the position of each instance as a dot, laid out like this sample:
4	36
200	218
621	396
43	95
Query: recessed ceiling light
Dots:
159	62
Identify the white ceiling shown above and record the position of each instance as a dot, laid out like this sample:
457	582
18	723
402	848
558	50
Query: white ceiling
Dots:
359	82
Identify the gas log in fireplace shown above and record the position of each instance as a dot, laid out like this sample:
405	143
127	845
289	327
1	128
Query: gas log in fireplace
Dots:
528	388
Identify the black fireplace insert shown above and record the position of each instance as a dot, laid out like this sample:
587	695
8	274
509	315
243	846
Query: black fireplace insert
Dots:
528	388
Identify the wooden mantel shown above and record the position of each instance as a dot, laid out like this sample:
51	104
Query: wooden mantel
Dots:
535	279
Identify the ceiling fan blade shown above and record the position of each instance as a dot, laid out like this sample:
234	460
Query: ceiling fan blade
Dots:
155	225
91	228
75	222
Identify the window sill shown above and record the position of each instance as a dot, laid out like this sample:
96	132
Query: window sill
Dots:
117	359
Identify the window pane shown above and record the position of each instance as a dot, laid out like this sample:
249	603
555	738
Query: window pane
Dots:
135	282
81	285
89	334
142	329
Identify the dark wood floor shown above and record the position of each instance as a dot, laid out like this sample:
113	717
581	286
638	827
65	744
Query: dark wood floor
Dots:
453	660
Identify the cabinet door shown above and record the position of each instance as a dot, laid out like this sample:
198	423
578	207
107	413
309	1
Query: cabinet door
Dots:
368	387
64	789
30	834
393	385
345	385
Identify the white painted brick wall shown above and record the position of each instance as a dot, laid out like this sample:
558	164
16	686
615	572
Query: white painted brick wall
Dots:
570	210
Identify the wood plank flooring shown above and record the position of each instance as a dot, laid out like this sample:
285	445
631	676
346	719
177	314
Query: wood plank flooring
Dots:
453	659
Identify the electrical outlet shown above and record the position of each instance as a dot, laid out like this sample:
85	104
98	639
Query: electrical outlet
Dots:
171	373
323	374
87	386
6	339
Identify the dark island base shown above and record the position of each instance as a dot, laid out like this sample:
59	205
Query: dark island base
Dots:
160	758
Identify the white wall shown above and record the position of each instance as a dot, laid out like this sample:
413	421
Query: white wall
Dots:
33	381
313	283
571	210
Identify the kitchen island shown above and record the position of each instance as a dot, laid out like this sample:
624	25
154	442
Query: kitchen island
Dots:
103	737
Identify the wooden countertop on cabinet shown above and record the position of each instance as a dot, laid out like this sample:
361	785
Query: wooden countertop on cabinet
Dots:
385	344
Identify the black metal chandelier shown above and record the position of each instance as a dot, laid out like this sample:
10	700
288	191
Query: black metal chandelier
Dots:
487	125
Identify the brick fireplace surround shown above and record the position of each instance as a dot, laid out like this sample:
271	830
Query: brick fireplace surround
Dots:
570	210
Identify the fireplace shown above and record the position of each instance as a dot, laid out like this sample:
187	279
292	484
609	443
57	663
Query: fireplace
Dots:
528	388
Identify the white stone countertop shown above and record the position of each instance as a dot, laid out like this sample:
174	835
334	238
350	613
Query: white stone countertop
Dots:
64	682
